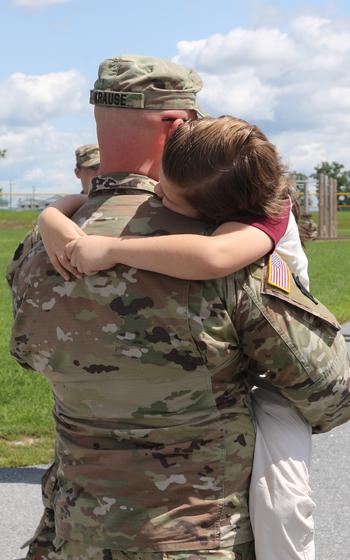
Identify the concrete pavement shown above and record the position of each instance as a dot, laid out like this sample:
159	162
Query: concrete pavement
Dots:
20	508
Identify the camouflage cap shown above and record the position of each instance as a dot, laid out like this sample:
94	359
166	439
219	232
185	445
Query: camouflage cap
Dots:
87	155
145	82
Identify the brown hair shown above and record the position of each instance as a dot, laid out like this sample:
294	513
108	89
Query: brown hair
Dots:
227	167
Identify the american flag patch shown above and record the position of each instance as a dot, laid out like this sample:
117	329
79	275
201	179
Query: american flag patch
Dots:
279	273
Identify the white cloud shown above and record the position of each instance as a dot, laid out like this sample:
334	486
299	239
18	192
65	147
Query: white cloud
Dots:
42	157
299	151
25	100
237	93
320	33
33	109
38	3
291	79
303	150
238	49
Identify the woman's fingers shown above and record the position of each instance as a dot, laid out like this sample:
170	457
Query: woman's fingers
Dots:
59	268
69	248
64	262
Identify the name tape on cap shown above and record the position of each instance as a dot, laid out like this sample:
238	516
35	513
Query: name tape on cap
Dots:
117	99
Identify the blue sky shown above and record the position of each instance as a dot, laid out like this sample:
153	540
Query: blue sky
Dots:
283	65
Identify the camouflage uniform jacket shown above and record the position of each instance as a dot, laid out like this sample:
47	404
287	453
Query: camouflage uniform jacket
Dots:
151	378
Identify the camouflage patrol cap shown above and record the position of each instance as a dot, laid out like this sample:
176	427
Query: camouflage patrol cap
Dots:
145	82
87	155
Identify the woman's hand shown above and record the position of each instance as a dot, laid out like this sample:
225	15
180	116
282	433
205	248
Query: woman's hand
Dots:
56	231
92	253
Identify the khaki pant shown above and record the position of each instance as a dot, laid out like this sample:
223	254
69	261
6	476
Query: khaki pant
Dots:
281	507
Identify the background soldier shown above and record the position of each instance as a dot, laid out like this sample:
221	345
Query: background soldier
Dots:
150	373
87	164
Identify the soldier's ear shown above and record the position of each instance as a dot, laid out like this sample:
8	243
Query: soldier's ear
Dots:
174	126
77	172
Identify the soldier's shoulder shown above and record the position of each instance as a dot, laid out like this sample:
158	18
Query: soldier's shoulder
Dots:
271	280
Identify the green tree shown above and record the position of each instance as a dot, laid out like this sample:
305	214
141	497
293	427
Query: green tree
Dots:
3	153
299	176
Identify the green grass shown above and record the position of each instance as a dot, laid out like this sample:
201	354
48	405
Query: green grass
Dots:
26	451
17	220
25	398
26	426
343	222
329	269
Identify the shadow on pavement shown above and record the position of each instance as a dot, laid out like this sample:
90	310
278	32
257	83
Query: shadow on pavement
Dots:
27	475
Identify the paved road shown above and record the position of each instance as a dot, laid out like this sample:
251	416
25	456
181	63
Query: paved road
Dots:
20	508
20	502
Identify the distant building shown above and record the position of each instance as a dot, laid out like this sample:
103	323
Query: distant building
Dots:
36	203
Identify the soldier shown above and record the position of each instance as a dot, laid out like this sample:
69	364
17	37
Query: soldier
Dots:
151	374
87	164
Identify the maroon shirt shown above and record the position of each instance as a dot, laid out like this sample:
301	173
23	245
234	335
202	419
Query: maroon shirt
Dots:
273	227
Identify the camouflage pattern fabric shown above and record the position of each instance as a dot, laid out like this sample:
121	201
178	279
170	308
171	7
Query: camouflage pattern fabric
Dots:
78	551
145	82
21	253
151	377
87	155
307	228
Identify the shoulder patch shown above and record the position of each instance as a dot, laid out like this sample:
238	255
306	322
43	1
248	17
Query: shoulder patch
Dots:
278	273
295	296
